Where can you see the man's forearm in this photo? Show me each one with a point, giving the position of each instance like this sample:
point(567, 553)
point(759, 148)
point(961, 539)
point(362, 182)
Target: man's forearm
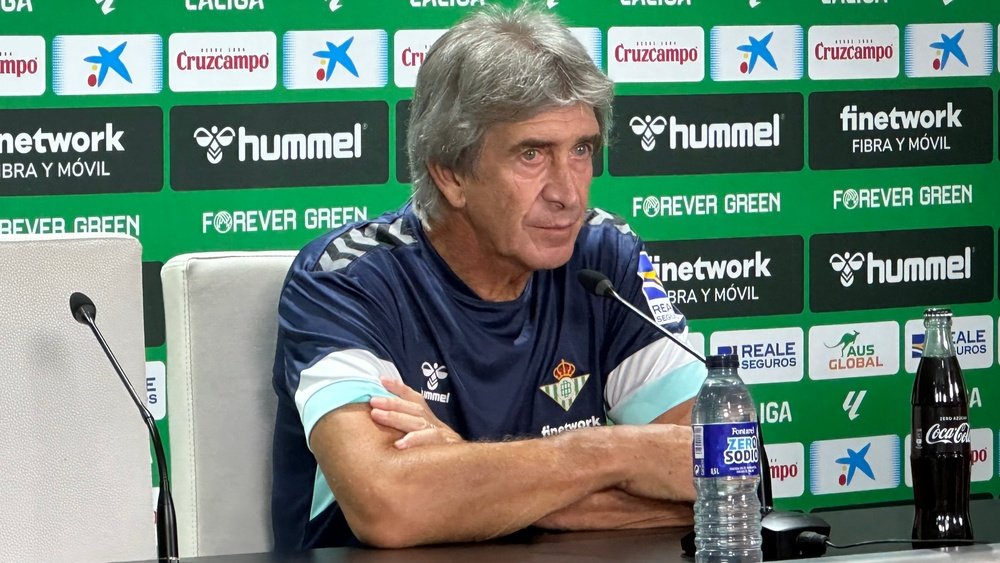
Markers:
point(616, 509)
point(474, 491)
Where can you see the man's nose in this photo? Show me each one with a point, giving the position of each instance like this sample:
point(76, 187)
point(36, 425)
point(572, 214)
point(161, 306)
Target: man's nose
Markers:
point(564, 182)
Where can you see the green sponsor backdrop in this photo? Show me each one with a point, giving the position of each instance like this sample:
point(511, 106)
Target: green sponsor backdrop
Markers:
point(801, 202)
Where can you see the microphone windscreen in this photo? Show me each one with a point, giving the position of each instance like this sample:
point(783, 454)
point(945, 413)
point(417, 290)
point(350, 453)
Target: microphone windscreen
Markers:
point(595, 282)
point(79, 304)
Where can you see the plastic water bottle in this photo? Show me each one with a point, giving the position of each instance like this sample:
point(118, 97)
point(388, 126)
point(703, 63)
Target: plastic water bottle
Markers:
point(726, 467)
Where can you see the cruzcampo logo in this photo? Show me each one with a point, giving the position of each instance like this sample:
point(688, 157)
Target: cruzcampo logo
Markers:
point(567, 386)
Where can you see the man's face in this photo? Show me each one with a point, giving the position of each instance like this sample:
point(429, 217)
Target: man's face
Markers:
point(527, 196)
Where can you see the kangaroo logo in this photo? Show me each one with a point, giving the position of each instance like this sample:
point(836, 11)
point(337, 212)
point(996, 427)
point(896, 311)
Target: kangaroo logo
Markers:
point(847, 340)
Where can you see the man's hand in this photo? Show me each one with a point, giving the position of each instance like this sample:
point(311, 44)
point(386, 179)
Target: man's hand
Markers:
point(661, 462)
point(617, 509)
point(408, 412)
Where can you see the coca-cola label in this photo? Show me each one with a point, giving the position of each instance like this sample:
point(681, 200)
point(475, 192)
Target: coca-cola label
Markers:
point(940, 429)
point(726, 450)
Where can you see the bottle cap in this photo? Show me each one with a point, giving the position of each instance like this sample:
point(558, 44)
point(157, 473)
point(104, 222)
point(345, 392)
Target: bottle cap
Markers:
point(937, 313)
point(722, 361)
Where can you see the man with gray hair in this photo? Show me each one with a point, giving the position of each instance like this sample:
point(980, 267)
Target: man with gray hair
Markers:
point(441, 375)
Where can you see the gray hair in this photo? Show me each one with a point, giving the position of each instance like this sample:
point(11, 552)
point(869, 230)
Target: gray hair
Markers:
point(497, 65)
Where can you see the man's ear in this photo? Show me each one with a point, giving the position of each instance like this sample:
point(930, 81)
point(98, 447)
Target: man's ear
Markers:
point(451, 184)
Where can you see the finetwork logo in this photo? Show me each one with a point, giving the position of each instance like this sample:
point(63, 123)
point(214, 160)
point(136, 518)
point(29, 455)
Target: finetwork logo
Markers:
point(766, 356)
point(854, 464)
point(656, 54)
point(336, 59)
point(223, 62)
point(736, 277)
point(972, 338)
point(838, 52)
point(86, 150)
point(22, 65)
point(937, 50)
point(858, 350)
point(757, 53)
point(896, 128)
point(107, 64)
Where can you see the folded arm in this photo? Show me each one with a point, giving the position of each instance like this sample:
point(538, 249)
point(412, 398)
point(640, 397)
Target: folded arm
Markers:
point(470, 491)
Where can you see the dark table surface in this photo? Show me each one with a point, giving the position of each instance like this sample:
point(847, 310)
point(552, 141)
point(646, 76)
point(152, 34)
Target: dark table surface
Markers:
point(626, 546)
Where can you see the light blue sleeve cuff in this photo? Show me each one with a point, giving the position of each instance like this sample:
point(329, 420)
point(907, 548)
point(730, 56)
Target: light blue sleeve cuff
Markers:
point(338, 394)
point(660, 395)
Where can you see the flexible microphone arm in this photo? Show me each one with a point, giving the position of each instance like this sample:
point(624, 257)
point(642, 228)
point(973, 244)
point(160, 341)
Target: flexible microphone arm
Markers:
point(84, 311)
point(599, 284)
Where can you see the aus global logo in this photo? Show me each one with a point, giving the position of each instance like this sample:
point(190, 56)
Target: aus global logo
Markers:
point(843, 351)
point(656, 297)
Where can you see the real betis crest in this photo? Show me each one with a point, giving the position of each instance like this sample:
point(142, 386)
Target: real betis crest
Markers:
point(567, 387)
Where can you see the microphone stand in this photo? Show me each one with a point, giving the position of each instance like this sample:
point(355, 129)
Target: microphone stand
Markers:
point(166, 520)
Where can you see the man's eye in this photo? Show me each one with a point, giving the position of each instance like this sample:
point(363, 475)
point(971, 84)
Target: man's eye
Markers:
point(583, 150)
point(530, 154)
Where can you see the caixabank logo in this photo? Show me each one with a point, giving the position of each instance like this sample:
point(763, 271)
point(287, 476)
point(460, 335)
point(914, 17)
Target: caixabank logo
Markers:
point(854, 464)
point(81, 151)
point(704, 134)
point(278, 145)
point(735, 277)
point(875, 270)
point(749, 53)
point(336, 59)
point(890, 128)
point(92, 65)
point(942, 50)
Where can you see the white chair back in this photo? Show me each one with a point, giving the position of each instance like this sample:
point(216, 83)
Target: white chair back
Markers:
point(221, 311)
point(75, 471)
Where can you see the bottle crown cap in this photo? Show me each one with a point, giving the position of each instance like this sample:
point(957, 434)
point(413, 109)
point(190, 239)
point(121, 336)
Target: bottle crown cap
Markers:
point(722, 361)
point(937, 313)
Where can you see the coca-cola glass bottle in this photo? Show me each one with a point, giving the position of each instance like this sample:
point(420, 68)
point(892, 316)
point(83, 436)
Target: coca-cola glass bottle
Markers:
point(940, 450)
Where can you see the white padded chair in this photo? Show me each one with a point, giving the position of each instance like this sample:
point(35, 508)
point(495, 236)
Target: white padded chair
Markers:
point(221, 324)
point(75, 472)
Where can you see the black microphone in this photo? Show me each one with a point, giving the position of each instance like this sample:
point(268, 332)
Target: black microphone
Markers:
point(84, 311)
point(599, 284)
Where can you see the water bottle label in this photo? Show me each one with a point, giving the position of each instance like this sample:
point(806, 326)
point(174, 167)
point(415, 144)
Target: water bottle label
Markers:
point(727, 449)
